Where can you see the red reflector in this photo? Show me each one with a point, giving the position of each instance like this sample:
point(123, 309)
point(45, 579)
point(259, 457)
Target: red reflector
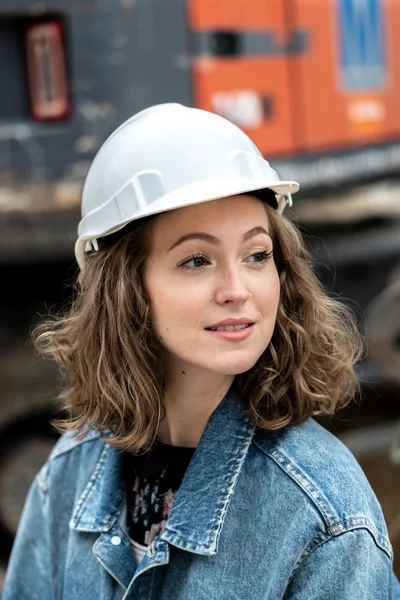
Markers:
point(47, 71)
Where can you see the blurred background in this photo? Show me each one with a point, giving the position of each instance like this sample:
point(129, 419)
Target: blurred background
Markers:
point(316, 85)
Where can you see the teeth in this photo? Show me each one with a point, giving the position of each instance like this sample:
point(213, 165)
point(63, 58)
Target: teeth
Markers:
point(230, 327)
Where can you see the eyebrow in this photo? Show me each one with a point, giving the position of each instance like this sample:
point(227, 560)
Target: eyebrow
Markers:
point(211, 239)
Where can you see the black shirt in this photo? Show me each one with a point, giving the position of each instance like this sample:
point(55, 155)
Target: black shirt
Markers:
point(151, 481)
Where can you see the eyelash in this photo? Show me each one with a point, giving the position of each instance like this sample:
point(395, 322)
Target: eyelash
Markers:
point(183, 263)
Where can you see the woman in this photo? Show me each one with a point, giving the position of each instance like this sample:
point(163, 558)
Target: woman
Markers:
point(198, 348)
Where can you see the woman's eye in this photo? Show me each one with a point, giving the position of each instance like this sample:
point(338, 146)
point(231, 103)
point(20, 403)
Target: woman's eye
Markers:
point(194, 262)
point(260, 257)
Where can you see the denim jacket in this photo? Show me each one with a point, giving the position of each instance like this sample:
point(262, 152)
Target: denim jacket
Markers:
point(259, 516)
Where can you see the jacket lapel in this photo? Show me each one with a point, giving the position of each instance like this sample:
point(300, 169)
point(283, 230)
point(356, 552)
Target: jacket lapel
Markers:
point(198, 513)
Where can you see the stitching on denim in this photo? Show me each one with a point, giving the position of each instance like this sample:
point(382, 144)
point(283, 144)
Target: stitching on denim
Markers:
point(93, 480)
point(190, 544)
point(112, 523)
point(222, 509)
point(247, 436)
point(315, 543)
point(304, 483)
point(324, 537)
point(352, 523)
point(111, 572)
point(349, 524)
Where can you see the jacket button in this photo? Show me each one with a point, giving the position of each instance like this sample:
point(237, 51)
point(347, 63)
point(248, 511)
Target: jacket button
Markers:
point(151, 550)
point(115, 540)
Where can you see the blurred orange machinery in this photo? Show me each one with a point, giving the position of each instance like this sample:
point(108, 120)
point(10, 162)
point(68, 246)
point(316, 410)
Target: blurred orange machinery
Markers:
point(300, 75)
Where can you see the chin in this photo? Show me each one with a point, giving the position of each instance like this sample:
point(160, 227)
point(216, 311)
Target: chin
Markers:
point(239, 367)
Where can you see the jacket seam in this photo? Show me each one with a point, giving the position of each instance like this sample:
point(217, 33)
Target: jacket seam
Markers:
point(334, 526)
point(322, 538)
point(304, 483)
point(353, 523)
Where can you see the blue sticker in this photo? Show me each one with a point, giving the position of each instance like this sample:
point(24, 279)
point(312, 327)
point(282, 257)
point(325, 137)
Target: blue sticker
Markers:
point(362, 44)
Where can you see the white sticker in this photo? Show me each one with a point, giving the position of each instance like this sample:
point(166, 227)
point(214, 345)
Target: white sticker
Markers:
point(242, 107)
point(366, 111)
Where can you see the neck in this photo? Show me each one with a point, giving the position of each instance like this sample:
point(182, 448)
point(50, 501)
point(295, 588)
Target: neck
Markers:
point(190, 398)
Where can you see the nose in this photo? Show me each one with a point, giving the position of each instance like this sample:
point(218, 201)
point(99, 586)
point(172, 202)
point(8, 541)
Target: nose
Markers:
point(231, 288)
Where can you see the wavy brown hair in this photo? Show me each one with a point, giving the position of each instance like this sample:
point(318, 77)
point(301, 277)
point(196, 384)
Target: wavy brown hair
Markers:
point(111, 360)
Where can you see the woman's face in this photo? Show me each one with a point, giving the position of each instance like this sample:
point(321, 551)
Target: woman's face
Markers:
point(210, 265)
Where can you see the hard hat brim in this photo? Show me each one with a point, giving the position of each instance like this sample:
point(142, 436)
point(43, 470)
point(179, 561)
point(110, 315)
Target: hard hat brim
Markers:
point(195, 193)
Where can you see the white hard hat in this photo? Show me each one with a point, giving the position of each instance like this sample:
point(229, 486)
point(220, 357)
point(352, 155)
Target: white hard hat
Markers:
point(166, 157)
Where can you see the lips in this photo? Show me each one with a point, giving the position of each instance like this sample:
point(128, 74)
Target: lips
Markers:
point(224, 334)
point(232, 324)
point(229, 327)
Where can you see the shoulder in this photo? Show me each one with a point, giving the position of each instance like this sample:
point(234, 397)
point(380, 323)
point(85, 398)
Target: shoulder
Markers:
point(71, 441)
point(72, 458)
point(324, 474)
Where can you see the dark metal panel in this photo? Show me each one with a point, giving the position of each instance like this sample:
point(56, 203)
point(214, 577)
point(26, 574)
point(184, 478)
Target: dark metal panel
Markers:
point(346, 166)
point(37, 8)
point(123, 56)
point(13, 98)
point(249, 43)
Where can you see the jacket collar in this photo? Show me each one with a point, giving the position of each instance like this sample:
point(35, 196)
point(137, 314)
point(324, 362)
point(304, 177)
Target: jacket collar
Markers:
point(198, 513)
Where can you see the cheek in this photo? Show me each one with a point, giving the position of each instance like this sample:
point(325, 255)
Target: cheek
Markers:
point(160, 305)
point(276, 289)
point(170, 307)
point(155, 293)
point(271, 290)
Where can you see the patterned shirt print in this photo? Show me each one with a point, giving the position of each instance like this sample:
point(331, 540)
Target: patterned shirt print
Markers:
point(152, 480)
